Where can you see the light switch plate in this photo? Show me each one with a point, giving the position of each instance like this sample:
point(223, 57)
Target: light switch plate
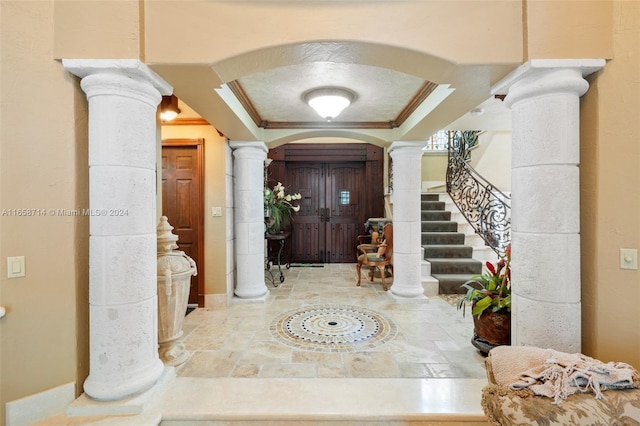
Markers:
point(216, 211)
point(628, 259)
point(15, 267)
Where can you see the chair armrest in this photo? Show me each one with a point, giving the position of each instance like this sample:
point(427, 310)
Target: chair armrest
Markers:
point(363, 239)
point(367, 248)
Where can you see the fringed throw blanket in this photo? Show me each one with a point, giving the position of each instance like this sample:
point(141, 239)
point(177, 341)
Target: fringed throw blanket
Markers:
point(557, 374)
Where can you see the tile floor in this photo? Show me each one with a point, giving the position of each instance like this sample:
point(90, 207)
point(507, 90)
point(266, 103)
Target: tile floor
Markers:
point(411, 362)
point(426, 338)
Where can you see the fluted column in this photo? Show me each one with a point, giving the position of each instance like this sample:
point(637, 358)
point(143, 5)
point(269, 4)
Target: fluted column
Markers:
point(123, 96)
point(544, 96)
point(407, 176)
point(248, 169)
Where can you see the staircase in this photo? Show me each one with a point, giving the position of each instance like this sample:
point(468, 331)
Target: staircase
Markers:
point(452, 262)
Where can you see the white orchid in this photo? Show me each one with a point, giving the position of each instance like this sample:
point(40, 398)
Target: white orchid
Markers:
point(278, 206)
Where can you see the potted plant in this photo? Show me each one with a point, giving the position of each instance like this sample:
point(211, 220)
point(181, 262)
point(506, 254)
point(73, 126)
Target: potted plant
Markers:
point(490, 298)
point(278, 208)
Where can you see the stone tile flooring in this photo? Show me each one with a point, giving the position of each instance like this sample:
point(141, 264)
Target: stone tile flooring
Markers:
point(427, 338)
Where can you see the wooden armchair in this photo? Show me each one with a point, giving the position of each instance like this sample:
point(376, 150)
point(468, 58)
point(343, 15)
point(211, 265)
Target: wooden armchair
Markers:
point(377, 255)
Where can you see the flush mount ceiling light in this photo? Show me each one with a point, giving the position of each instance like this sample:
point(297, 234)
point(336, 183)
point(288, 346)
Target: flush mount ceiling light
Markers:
point(169, 108)
point(329, 101)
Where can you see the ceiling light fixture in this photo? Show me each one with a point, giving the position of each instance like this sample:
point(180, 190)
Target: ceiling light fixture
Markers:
point(329, 101)
point(169, 108)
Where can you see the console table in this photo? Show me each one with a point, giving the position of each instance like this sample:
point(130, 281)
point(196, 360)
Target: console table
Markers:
point(270, 258)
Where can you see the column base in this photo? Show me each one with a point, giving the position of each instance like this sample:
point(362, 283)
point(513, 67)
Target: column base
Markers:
point(408, 295)
point(238, 299)
point(86, 406)
point(252, 294)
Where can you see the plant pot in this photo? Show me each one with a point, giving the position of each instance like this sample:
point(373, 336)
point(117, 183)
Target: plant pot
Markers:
point(491, 329)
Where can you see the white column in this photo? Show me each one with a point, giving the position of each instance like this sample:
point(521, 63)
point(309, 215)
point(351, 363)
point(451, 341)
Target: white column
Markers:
point(248, 170)
point(123, 96)
point(407, 231)
point(544, 96)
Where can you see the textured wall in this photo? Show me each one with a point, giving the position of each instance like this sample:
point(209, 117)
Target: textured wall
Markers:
point(43, 167)
point(610, 199)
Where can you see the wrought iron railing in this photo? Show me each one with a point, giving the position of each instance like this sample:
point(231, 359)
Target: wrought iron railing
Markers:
point(485, 207)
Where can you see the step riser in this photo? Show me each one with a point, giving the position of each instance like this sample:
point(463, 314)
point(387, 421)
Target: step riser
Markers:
point(433, 205)
point(435, 238)
point(439, 226)
point(455, 268)
point(448, 252)
point(451, 285)
point(436, 215)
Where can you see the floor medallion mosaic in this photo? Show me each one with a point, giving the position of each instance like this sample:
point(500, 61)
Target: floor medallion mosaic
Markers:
point(333, 328)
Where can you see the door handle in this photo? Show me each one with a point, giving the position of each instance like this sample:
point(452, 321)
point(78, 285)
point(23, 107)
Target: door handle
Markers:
point(325, 214)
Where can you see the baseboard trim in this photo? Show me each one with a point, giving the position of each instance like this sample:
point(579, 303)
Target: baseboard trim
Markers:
point(214, 300)
point(39, 406)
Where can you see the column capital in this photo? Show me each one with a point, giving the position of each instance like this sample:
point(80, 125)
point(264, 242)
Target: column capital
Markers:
point(132, 68)
point(539, 77)
point(397, 145)
point(257, 145)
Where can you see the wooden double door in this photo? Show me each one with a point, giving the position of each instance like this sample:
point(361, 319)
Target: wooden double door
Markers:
point(340, 190)
point(330, 216)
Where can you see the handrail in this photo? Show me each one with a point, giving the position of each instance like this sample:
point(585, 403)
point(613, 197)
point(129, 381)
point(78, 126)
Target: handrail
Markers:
point(486, 208)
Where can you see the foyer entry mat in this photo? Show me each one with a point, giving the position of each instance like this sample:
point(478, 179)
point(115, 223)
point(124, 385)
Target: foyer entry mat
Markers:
point(333, 328)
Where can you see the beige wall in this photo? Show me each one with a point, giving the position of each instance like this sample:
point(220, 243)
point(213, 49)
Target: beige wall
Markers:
point(215, 256)
point(434, 167)
point(610, 200)
point(102, 29)
point(568, 29)
point(492, 158)
point(43, 165)
point(428, 26)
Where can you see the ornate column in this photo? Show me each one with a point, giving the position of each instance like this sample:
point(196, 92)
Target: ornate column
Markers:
point(407, 232)
point(123, 96)
point(248, 169)
point(544, 96)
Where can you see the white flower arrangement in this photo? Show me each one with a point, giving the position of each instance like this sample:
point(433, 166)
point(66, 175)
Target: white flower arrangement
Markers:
point(278, 206)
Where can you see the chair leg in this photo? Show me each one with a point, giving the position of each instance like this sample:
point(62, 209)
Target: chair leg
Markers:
point(358, 268)
point(382, 271)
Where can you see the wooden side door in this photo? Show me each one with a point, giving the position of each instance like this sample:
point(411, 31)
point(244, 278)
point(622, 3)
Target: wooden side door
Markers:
point(182, 203)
